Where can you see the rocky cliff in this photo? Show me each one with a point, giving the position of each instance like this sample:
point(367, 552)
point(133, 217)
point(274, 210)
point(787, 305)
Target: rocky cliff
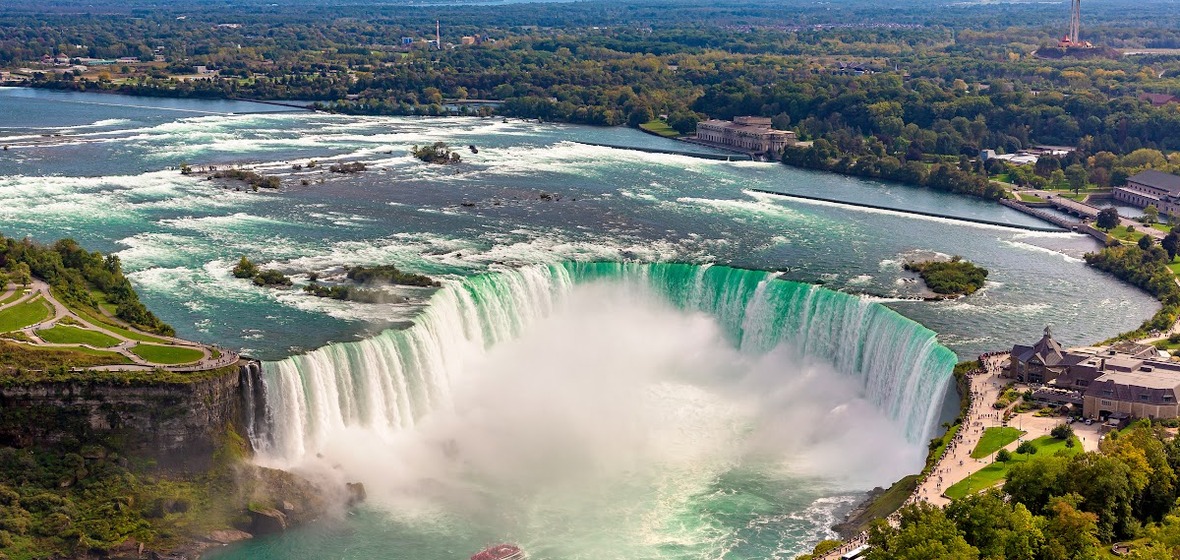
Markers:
point(178, 422)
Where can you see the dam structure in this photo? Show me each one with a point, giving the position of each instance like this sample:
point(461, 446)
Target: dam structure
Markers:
point(391, 381)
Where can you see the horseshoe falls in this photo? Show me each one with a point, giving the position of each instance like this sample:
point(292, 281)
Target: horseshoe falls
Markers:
point(684, 396)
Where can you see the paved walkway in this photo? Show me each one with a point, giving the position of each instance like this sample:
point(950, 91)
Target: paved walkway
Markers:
point(38, 288)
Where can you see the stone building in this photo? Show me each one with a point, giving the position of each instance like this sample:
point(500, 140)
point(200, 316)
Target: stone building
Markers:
point(1123, 379)
point(1152, 187)
point(751, 134)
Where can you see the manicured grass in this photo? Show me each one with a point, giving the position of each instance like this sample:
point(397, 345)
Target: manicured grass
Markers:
point(659, 127)
point(61, 334)
point(16, 294)
point(992, 474)
point(110, 325)
point(936, 453)
point(1122, 234)
point(1162, 227)
point(22, 315)
point(995, 439)
point(168, 355)
point(1175, 268)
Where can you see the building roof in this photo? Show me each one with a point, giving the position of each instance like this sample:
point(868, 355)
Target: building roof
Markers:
point(1046, 351)
point(1158, 179)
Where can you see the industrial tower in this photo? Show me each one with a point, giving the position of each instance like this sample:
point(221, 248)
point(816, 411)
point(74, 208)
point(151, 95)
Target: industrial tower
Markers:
point(1073, 39)
point(1075, 21)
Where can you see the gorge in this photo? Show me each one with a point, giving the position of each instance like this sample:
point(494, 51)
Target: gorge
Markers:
point(584, 380)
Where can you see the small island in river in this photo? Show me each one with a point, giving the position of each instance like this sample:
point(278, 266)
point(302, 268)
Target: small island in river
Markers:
point(955, 277)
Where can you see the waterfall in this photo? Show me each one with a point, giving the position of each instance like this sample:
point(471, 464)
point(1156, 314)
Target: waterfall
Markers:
point(391, 381)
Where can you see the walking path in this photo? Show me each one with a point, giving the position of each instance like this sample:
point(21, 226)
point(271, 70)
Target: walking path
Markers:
point(38, 288)
point(956, 462)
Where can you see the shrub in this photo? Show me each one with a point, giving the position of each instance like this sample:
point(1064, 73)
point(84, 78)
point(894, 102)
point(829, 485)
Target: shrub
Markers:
point(245, 269)
point(1026, 448)
point(1003, 456)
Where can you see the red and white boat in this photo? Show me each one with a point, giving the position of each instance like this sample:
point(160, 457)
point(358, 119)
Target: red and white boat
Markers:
point(500, 552)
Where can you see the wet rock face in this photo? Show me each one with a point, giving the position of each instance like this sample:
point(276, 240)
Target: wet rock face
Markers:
point(267, 521)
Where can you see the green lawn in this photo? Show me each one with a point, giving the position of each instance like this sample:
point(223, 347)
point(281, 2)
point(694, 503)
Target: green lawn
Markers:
point(659, 127)
point(17, 294)
point(1122, 234)
point(62, 334)
point(110, 325)
point(992, 474)
point(168, 355)
point(1162, 227)
point(22, 315)
point(995, 439)
point(1175, 268)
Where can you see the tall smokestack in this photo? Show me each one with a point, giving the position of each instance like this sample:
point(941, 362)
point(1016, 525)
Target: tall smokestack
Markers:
point(438, 34)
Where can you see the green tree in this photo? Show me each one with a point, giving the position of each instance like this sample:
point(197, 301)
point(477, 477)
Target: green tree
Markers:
point(924, 533)
point(1144, 242)
point(1108, 218)
point(1026, 448)
point(1171, 243)
point(1151, 214)
point(1076, 175)
point(1061, 431)
point(1070, 534)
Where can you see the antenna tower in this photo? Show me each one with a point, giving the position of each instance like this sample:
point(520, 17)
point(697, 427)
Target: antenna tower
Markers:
point(1075, 22)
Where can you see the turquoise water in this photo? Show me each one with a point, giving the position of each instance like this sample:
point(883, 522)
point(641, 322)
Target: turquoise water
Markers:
point(762, 483)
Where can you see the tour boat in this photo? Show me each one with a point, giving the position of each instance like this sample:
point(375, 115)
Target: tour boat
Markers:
point(500, 552)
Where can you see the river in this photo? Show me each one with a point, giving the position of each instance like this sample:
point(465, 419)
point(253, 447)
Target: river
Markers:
point(103, 170)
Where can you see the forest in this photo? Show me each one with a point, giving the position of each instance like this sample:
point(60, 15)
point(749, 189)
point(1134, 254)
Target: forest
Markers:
point(909, 92)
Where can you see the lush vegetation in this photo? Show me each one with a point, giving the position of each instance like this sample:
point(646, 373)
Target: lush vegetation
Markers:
point(956, 276)
point(437, 152)
point(74, 274)
point(1147, 269)
point(908, 92)
point(1056, 505)
point(389, 274)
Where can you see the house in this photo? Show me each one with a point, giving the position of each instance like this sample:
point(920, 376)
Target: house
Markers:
point(1158, 99)
point(1152, 187)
